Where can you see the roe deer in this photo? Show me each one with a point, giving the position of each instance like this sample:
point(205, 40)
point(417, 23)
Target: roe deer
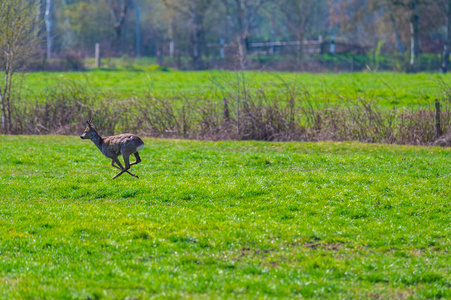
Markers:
point(113, 146)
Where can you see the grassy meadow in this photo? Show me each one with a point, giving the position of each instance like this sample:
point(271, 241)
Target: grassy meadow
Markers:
point(387, 89)
point(224, 220)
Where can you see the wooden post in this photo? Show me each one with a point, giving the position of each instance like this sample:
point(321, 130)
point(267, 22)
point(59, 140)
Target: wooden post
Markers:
point(438, 129)
point(98, 63)
point(171, 48)
point(171, 42)
point(221, 48)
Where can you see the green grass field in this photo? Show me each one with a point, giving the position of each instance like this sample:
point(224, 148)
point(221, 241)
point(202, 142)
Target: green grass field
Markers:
point(224, 220)
point(387, 88)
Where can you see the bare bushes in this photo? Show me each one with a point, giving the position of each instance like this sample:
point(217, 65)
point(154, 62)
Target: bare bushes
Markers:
point(64, 110)
point(234, 112)
point(366, 121)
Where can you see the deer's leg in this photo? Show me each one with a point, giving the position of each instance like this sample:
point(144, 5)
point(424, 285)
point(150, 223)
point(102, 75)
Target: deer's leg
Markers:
point(127, 166)
point(138, 159)
point(119, 165)
point(115, 160)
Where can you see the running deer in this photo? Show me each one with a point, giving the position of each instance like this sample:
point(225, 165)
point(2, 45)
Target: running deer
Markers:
point(113, 146)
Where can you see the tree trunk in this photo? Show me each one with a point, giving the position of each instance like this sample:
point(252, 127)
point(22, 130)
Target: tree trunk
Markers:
point(447, 46)
point(242, 47)
point(68, 37)
point(117, 41)
point(38, 16)
point(138, 30)
point(48, 26)
point(159, 52)
point(272, 35)
point(2, 99)
point(118, 21)
point(240, 16)
point(171, 40)
point(415, 46)
point(197, 40)
point(18, 45)
point(8, 104)
point(397, 35)
point(300, 54)
point(6, 108)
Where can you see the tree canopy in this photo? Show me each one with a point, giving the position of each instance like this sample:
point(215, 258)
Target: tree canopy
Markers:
point(198, 28)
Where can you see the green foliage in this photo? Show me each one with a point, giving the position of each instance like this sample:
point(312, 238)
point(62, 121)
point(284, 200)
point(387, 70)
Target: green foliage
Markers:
point(145, 77)
point(18, 47)
point(82, 24)
point(224, 220)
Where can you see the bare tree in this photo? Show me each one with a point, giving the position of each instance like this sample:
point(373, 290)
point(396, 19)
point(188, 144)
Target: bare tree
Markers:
point(197, 11)
point(415, 44)
point(38, 17)
point(399, 42)
point(118, 10)
point(407, 12)
point(300, 17)
point(412, 7)
point(138, 29)
point(246, 12)
point(447, 46)
point(194, 11)
point(17, 46)
point(48, 27)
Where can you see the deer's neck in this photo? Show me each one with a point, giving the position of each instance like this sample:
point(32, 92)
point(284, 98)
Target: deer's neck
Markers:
point(98, 141)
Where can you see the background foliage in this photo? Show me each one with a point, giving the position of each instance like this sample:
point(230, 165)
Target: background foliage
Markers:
point(189, 33)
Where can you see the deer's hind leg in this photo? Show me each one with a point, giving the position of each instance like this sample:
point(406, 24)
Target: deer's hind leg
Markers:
point(138, 159)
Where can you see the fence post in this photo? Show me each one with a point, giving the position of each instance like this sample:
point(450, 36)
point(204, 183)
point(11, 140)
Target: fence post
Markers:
point(221, 48)
point(97, 55)
point(438, 129)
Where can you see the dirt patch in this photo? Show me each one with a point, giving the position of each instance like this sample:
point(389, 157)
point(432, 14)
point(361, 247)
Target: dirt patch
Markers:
point(323, 246)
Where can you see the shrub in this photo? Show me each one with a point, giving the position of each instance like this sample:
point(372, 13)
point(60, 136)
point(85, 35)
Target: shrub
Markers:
point(242, 114)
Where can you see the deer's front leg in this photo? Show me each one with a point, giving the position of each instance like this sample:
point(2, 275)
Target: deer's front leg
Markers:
point(127, 166)
point(119, 166)
point(118, 163)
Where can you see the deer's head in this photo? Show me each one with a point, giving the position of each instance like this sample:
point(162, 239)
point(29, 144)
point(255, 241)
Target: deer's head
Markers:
point(89, 132)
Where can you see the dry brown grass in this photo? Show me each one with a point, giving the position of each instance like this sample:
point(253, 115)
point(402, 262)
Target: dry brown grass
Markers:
point(292, 115)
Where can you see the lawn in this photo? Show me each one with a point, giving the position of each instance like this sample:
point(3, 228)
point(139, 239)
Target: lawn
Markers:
point(224, 220)
point(386, 88)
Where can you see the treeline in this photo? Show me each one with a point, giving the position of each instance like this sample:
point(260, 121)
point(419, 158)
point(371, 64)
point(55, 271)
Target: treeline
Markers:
point(198, 34)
